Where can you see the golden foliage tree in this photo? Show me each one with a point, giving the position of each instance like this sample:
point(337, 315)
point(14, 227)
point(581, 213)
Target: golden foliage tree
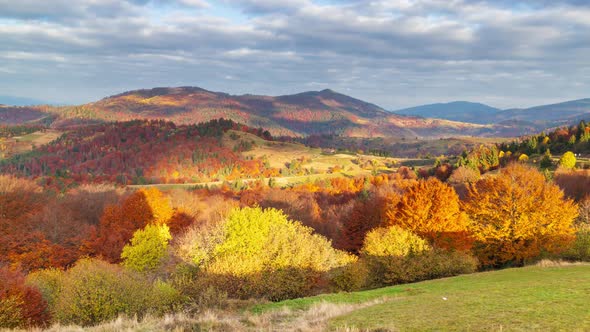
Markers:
point(393, 241)
point(118, 223)
point(517, 215)
point(431, 209)
point(568, 160)
point(147, 248)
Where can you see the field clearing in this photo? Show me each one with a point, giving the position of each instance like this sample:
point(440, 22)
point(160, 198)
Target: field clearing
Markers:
point(530, 298)
point(25, 143)
point(281, 181)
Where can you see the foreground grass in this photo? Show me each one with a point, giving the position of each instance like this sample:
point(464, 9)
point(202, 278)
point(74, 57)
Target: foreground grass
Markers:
point(532, 298)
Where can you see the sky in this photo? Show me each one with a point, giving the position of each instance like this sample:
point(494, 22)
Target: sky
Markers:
point(395, 54)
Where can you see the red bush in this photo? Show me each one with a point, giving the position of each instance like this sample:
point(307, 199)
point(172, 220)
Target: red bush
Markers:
point(30, 306)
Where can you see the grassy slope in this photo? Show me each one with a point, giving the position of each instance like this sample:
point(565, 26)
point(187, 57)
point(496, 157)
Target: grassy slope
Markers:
point(532, 298)
point(22, 144)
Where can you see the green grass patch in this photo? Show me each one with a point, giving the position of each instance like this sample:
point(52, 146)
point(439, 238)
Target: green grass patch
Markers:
point(532, 298)
point(354, 297)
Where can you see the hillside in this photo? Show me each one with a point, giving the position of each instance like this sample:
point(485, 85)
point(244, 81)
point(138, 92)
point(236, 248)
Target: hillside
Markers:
point(138, 152)
point(551, 115)
point(315, 112)
point(304, 114)
point(528, 119)
point(462, 111)
point(539, 298)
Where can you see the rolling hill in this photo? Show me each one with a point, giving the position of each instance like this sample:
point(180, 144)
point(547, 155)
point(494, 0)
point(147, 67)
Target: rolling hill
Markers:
point(304, 114)
point(462, 111)
point(528, 119)
point(142, 151)
point(307, 113)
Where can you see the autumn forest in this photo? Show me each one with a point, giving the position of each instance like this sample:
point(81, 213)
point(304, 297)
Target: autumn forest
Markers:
point(146, 217)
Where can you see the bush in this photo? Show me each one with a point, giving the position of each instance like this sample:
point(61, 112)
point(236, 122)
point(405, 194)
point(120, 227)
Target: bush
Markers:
point(94, 291)
point(351, 277)
point(11, 312)
point(147, 248)
point(568, 160)
point(260, 253)
point(164, 298)
point(49, 282)
point(21, 305)
point(283, 283)
point(392, 241)
point(432, 264)
point(464, 174)
point(580, 249)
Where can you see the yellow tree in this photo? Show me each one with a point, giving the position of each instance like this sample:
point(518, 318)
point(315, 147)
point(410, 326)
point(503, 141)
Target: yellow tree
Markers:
point(517, 215)
point(119, 222)
point(568, 160)
point(431, 209)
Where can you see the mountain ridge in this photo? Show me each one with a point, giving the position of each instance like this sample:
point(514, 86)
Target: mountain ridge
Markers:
point(300, 114)
point(541, 116)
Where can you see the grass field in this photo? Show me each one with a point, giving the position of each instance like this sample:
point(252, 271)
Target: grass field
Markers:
point(25, 143)
point(531, 298)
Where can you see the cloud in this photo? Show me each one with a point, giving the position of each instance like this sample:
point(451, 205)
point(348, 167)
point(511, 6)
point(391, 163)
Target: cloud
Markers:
point(393, 53)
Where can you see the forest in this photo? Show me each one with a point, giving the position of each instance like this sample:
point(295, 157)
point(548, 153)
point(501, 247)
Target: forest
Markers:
point(80, 246)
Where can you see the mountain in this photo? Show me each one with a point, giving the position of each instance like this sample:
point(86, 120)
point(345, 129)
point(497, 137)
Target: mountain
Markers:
point(529, 119)
point(462, 111)
point(307, 113)
point(552, 115)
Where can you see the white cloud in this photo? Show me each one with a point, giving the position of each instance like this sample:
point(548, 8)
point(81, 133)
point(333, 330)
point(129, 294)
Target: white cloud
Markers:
point(393, 53)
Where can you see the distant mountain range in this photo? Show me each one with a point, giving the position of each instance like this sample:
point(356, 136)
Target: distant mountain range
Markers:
point(307, 113)
point(462, 111)
point(539, 117)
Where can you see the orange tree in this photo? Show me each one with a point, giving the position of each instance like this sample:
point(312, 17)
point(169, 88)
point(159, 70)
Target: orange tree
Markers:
point(431, 209)
point(518, 215)
point(119, 222)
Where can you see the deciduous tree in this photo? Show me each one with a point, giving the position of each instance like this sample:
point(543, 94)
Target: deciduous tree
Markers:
point(517, 215)
point(431, 209)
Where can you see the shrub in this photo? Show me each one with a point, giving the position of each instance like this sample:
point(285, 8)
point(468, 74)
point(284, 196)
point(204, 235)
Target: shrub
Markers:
point(147, 248)
point(568, 160)
point(260, 253)
point(94, 291)
point(164, 298)
point(283, 283)
point(349, 278)
point(580, 249)
point(464, 174)
point(575, 183)
point(49, 282)
point(11, 312)
point(392, 241)
point(584, 212)
point(21, 305)
point(391, 270)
